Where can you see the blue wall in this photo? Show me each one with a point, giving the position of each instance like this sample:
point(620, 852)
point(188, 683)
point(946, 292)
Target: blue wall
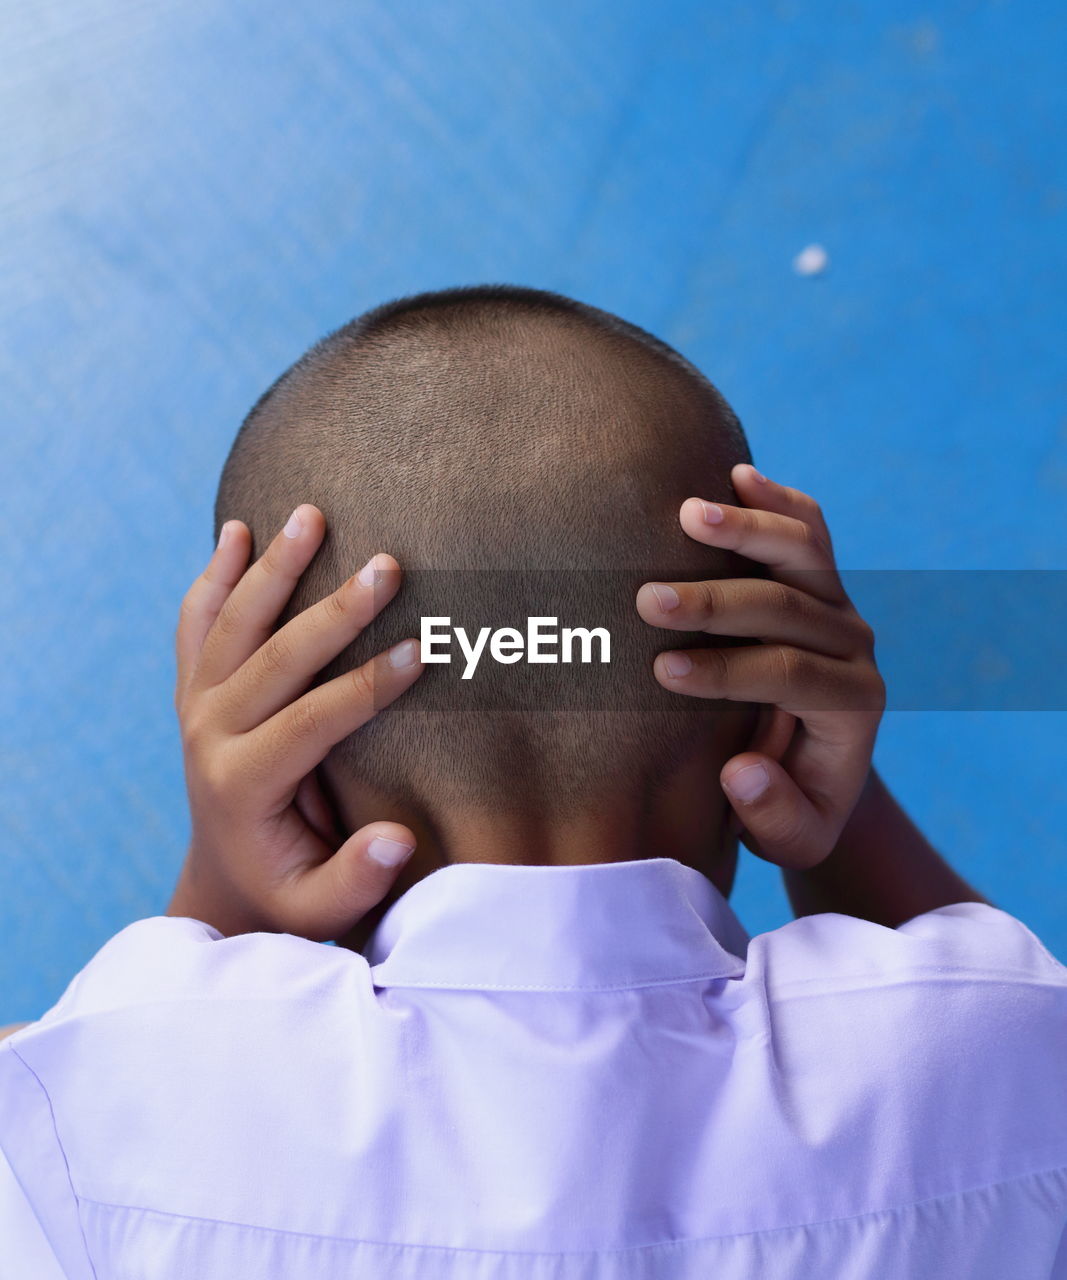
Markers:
point(195, 191)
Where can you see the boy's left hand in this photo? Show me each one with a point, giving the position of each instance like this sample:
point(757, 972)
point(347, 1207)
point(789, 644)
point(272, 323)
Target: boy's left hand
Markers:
point(265, 854)
point(794, 789)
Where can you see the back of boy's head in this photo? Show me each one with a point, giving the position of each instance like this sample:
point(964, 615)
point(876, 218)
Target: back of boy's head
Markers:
point(518, 453)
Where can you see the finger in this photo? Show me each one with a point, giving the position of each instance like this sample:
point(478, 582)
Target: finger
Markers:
point(756, 490)
point(799, 682)
point(207, 595)
point(756, 607)
point(780, 823)
point(772, 737)
point(282, 750)
point(251, 611)
point(793, 549)
point(284, 666)
point(324, 901)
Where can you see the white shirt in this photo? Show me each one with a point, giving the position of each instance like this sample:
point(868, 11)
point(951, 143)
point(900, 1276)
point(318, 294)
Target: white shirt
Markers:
point(553, 1073)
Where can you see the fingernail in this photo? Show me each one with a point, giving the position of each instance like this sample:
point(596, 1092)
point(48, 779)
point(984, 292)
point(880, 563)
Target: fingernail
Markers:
point(224, 534)
point(293, 525)
point(748, 783)
point(757, 475)
point(712, 513)
point(404, 654)
point(369, 575)
point(677, 663)
point(666, 597)
point(389, 853)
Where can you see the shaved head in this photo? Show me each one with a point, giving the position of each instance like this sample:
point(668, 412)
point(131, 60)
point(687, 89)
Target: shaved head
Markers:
point(518, 453)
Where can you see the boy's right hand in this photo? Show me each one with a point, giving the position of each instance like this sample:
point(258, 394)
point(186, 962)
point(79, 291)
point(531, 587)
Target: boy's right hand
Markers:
point(265, 854)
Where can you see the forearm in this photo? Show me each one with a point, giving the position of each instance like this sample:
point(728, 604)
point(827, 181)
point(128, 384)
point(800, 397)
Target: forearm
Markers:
point(882, 868)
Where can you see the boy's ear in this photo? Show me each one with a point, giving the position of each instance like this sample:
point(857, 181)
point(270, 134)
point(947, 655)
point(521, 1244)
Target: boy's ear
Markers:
point(774, 732)
point(316, 803)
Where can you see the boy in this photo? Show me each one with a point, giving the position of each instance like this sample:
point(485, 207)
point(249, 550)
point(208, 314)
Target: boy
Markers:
point(545, 1045)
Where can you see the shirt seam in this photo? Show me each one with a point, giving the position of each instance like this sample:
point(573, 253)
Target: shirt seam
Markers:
point(63, 1154)
point(427, 985)
point(931, 974)
point(1019, 977)
point(961, 976)
point(570, 1253)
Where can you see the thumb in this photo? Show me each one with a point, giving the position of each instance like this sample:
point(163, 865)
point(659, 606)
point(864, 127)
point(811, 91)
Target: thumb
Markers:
point(328, 899)
point(779, 823)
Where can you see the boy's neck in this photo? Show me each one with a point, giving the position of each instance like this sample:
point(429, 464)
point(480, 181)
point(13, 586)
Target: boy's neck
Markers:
point(685, 819)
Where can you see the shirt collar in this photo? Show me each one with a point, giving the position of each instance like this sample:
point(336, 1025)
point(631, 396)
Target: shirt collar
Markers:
point(495, 926)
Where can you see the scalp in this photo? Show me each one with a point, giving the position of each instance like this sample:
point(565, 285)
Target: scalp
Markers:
point(480, 436)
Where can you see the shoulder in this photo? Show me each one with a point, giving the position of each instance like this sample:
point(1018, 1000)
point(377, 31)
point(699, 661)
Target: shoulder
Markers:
point(964, 942)
point(948, 1031)
point(965, 984)
point(172, 960)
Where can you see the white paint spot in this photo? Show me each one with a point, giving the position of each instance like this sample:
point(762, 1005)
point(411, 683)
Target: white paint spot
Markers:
point(811, 261)
point(925, 38)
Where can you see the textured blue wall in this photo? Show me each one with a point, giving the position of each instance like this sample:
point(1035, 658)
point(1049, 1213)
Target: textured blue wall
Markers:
point(194, 192)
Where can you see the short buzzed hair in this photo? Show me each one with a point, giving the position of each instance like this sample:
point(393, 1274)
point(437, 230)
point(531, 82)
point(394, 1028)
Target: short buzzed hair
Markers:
point(479, 434)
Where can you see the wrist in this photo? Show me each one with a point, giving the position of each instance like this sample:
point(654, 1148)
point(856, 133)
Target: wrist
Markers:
point(882, 868)
point(201, 896)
